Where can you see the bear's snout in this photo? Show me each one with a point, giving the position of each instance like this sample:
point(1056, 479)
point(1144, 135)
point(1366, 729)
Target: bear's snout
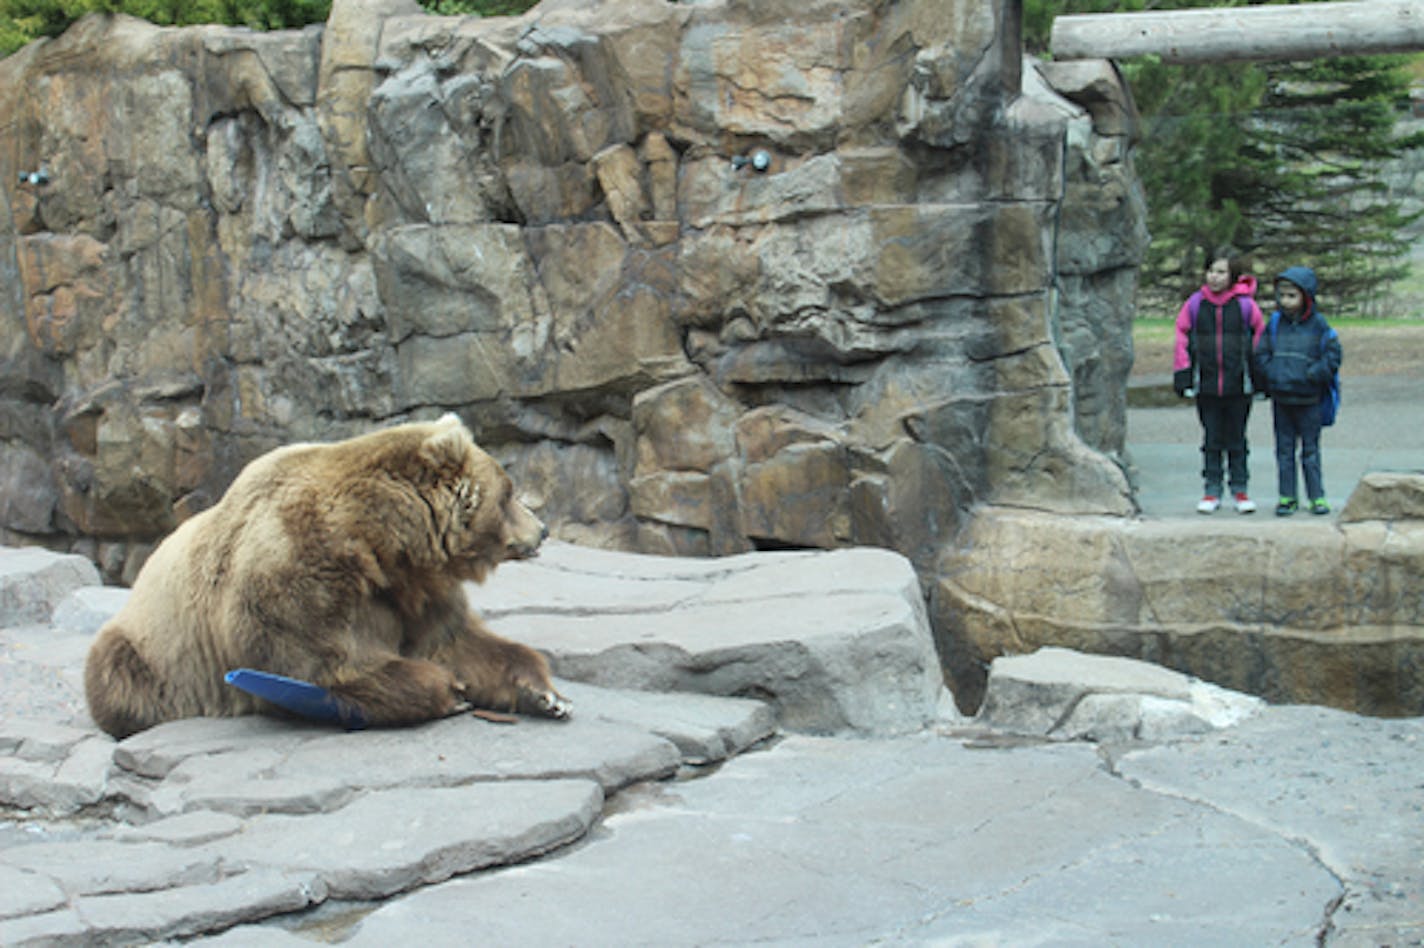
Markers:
point(526, 533)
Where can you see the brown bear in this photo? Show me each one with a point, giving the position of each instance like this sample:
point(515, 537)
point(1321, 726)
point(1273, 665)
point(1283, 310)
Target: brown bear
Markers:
point(339, 564)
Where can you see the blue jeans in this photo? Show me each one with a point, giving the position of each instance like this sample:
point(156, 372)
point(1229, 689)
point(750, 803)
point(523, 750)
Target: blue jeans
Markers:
point(1298, 424)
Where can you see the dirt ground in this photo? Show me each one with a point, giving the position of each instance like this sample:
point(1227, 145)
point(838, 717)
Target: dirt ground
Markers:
point(1368, 350)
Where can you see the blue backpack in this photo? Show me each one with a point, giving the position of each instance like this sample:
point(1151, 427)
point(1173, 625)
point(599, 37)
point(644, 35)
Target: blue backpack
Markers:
point(1330, 404)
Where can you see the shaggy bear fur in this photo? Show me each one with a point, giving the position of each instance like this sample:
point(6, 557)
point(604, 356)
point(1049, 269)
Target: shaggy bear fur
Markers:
point(340, 564)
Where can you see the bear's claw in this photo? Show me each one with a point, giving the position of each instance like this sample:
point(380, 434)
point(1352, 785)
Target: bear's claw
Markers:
point(550, 704)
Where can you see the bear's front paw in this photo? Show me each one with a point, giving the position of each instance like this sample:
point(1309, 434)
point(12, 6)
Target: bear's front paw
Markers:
point(545, 703)
point(462, 702)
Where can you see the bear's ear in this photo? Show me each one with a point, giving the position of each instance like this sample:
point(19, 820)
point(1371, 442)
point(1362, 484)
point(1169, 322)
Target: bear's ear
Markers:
point(449, 443)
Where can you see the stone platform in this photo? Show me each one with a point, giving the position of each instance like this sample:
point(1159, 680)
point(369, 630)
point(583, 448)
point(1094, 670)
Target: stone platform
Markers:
point(806, 783)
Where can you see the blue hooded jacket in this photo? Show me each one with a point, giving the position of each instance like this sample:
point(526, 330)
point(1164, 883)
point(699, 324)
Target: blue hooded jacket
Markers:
point(1292, 364)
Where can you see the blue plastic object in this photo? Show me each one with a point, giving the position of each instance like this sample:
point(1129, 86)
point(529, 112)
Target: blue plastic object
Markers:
point(297, 696)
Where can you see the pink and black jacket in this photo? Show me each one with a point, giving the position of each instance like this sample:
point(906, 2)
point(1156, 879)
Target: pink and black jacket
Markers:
point(1216, 334)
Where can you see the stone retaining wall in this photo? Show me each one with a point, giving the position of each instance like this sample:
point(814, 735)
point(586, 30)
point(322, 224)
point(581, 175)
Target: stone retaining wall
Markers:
point(1310, 612)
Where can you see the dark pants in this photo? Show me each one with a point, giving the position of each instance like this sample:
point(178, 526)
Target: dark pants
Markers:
point(1223, 421)
point(1298, 424)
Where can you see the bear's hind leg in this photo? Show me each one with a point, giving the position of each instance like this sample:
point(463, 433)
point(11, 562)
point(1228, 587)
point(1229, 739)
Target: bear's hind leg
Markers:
point(123, 693)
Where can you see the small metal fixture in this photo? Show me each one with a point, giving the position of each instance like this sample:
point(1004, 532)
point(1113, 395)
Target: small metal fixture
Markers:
point(759, 160)
point(38, 177)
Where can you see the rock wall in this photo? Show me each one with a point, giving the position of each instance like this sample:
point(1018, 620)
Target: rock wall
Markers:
point(554, 226)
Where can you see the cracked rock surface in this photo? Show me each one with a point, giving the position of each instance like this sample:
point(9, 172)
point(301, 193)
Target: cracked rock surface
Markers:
point(1093, 800)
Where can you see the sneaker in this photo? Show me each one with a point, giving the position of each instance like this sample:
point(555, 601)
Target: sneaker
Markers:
point(1287, 506)
point(1244, 504)
point(1319, 506)
point(1209, 504)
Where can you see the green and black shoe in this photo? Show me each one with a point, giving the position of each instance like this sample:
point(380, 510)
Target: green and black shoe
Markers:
point(1287, 506)
point(1319, 507)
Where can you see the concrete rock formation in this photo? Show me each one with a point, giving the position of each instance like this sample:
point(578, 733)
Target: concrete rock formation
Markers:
point(551, 224)
point(1307, 611)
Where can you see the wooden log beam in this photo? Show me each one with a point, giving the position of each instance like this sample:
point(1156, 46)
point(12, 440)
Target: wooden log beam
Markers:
point(1263, 33)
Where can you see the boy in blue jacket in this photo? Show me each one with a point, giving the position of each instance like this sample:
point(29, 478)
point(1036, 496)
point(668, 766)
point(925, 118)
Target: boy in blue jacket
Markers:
point(1295, 360)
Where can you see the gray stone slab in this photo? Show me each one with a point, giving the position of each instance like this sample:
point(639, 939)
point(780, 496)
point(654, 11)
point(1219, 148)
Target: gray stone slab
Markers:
point(39, 740)
point(253, 765)
point(577, 580)
point(156, 751)
point(1060, 693)
point(147, 917)
point(1349, 786)
point(82, 778)
point(33, 581)
point(23, 892)
point(59, 927)
point(571, 580)
point(49, 647)
point(839, 842)
point(382, 843)
point(236, 784)
point(835, 640)
point(84, 610)
point(815, 575)
point(61, 786)
point(185, 829)
point(464, 749)
point(202, 872)
point(704, 729)
point(855, 664)
point(43, 674)
point(97, 866)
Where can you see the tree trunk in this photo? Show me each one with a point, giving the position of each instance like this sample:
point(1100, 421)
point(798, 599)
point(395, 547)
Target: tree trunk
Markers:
point(1266, 33)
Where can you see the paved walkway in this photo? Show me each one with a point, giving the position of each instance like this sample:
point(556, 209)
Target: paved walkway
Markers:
point(1381, 428)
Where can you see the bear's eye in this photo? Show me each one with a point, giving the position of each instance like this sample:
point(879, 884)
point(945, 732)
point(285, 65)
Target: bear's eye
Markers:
point(467, 495)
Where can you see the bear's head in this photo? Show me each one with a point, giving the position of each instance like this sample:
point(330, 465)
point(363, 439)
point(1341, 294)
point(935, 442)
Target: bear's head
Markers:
point(482, 522)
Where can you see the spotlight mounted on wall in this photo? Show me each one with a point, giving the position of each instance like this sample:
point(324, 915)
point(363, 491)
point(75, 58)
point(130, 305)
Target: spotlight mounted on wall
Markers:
point(759, 160)
point(37, 177)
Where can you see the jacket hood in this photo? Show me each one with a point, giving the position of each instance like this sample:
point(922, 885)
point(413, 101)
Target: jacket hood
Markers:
point(1303, 277)
point(1246, 286)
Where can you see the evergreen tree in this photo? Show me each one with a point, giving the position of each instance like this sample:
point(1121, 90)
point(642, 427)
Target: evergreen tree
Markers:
point(1278, 159)
point(1200, 165)
point(1330, 126)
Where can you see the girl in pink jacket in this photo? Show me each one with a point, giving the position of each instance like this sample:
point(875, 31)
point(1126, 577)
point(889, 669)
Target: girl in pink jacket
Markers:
point(1217, 329)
